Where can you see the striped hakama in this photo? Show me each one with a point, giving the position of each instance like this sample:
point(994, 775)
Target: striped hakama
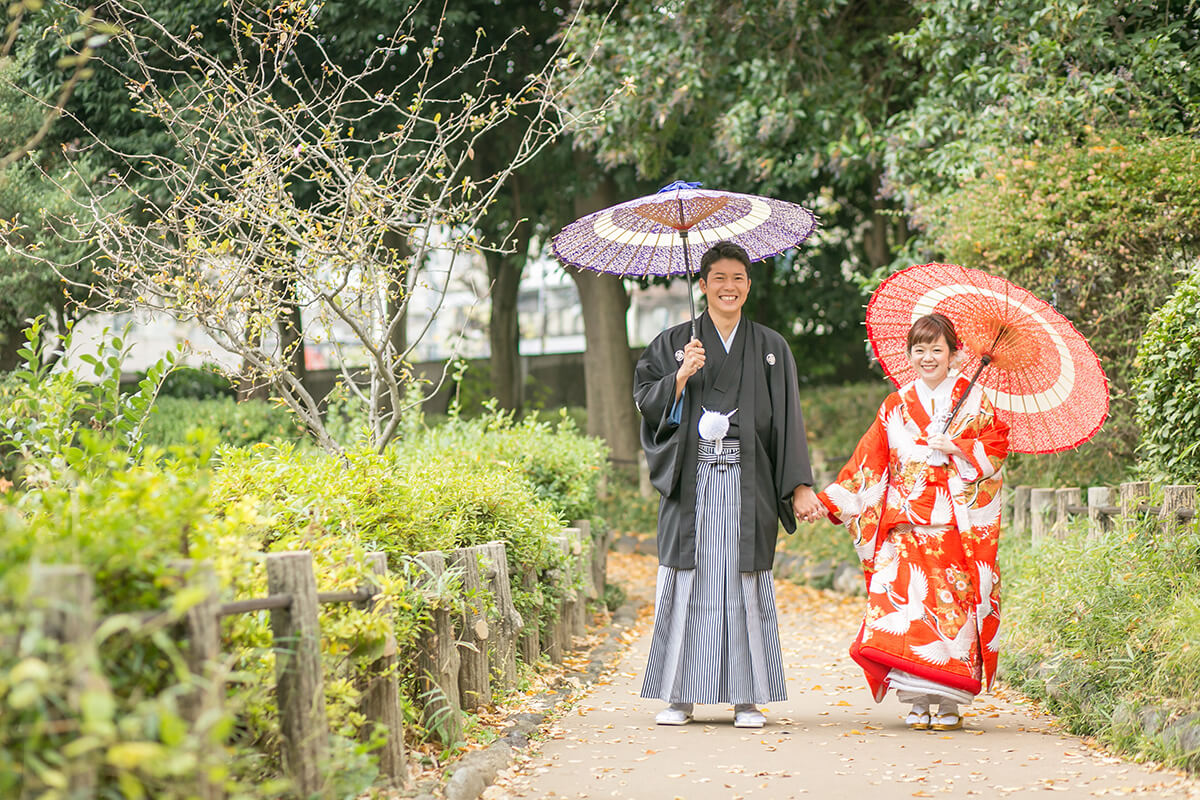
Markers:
point(716, 636)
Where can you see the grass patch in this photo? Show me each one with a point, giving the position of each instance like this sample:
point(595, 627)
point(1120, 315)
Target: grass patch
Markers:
point(1105, 632)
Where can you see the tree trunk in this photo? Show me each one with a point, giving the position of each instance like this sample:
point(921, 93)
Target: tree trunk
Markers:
point(504, 334)
point(291, 332)
point(400, 254)
point(883, 231)
point(12, 338)
point(608, 370)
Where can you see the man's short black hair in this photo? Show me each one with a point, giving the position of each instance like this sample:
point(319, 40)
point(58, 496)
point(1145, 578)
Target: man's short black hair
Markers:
point(722, 250)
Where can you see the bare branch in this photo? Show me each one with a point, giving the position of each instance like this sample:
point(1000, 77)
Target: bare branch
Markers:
point(289, 179)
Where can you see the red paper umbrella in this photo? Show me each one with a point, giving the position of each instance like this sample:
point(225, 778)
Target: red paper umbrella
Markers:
point(1039, 372)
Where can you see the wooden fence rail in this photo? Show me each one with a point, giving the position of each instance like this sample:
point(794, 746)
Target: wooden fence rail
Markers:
point(457, 661)
point(1044, 512)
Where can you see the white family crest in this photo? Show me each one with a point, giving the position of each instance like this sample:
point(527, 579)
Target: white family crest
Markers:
point(770, 359)
point(679, 355)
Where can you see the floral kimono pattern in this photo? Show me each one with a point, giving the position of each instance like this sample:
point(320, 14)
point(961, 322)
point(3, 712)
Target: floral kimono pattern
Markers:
point(926, 528)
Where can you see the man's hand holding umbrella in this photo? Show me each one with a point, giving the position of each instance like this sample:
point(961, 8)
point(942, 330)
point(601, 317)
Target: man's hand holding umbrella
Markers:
point(693, 360)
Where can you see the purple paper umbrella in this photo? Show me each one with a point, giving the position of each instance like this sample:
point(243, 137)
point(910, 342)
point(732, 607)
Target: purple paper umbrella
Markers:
point(666, 232)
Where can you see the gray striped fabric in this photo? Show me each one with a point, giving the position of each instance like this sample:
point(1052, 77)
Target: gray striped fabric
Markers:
point(716, 636)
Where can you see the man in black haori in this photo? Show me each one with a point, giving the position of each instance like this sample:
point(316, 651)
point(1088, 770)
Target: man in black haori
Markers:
point(724, 439)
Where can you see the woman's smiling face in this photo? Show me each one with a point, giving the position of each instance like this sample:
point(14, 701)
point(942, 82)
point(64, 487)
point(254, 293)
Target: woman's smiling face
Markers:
point(931, 360)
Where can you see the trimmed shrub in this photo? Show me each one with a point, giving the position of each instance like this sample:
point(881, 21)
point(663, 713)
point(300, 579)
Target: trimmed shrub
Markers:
point(1167, 386)
point(402, 502)
point(563, 466)
point(226, 420)
point(92, 495)
point(197, 383)
point(123, 526)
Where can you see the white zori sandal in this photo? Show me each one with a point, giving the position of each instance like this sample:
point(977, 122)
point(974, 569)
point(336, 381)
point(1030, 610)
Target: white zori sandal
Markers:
point(747, 715)
point(947, 718)
point(675, 714)
point(918, 718)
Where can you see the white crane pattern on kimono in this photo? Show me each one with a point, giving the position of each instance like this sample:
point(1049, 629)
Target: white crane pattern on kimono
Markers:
point(908, 611)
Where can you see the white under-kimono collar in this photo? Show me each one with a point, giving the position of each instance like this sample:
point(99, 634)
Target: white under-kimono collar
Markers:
point(728, 342)
point(936, 401)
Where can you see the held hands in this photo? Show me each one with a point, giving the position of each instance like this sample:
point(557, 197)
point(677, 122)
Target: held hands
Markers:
point(806, 505)
point(693, 360)
point(944, 444)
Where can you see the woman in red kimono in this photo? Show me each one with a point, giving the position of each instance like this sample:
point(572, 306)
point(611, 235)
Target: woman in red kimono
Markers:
point(924, 509)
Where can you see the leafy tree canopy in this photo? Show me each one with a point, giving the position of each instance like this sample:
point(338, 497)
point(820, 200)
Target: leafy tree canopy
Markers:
point(785, 99)
point(1097, 226)
point(778, 97)
point(994, 76)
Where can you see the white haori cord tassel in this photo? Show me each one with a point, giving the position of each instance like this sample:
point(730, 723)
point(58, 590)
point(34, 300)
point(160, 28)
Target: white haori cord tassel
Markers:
point(713, 426)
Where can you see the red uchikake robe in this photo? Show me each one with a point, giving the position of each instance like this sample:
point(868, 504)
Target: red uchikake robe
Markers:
point(933, 600)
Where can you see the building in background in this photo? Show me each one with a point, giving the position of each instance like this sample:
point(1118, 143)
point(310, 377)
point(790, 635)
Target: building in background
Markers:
point(451, 320)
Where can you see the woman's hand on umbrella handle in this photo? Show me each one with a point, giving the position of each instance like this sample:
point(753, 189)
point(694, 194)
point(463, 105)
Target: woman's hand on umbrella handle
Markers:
point(944, 444)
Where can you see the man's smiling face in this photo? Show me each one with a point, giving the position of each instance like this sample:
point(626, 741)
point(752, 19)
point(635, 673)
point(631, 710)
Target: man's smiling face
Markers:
point(726, 287)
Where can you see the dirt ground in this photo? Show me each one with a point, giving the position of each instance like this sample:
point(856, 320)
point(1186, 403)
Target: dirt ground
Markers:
point(829, 739)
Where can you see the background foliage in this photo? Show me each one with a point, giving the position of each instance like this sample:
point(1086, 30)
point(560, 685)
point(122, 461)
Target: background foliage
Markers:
point(175, 420)
point(1167, 386)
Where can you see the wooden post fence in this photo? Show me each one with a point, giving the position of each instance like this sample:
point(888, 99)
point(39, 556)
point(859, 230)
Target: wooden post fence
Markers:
point(438, 663)
point(1178, 506)
point(64, 611)
point(579, 556)
point(556, 638)
point(530, 638)
point(299, 676)
point(1065, 500)
point(1176, 499)
point(1098, 497)
point(1020, 517)
point(203, 652)
point(1133, 495)
point(380, 685)
point(1041, 508)
point(447, 680)
point(599, 548)
point(474, 680)
point(508, 620)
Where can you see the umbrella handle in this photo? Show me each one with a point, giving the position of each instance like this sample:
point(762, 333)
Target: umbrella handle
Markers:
point(687, 269)
point(983, 362)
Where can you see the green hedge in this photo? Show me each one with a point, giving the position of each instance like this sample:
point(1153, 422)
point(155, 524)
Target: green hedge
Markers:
point(127, 517)
point(1167, 386)
point(124, 526)
point(563, 466)
point(175, 419)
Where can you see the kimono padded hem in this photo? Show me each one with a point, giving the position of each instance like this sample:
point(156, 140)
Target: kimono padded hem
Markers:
point(873, 657)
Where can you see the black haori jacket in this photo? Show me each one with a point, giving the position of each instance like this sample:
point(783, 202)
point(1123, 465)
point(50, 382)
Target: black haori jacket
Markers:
point(758, 377)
